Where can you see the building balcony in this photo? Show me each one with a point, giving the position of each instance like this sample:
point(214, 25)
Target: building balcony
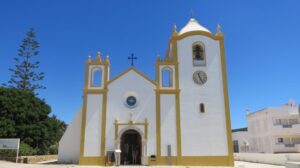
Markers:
point(282, 148)
point(286, 129)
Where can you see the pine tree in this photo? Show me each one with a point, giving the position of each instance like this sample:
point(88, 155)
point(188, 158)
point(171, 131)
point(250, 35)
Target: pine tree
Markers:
point(24, 75)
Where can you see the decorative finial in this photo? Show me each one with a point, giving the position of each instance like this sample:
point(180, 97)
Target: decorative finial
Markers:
point(98, 58)
point(174, 28)
point(158, 57)
point(192, 16)
point(219, 33)
point(107, 58)
point(89, 58)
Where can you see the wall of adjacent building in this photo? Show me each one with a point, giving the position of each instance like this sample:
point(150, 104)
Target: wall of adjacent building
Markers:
point(265, 127)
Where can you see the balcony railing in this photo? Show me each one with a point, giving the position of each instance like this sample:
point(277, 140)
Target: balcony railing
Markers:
point(289, 145)
point(287, 126)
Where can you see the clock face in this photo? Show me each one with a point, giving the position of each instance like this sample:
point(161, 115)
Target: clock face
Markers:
point(199, 77)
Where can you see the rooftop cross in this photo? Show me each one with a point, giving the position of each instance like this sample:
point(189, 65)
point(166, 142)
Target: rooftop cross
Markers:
point(132, 57)
point(192, 14)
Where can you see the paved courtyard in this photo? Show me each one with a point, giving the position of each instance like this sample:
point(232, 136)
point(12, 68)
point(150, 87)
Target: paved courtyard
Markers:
point(238, 164)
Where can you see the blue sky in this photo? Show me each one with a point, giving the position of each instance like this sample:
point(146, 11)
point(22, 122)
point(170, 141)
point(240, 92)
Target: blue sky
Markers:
point(261, 42)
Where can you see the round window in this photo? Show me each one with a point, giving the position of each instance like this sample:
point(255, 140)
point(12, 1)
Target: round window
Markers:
point(131, 101)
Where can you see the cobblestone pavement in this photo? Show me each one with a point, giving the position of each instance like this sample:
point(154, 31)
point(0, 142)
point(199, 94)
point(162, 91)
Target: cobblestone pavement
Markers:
point(238, 164)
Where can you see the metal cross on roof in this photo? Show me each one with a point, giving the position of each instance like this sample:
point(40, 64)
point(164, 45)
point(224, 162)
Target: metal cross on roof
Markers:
point(132, 57)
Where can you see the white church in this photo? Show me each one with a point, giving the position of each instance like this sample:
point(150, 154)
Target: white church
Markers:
point(180, 118)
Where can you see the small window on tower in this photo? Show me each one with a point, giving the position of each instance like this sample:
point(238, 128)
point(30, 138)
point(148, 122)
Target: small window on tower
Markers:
point(167, 77)
point(198, 55)
point(202, 108)
point(97, 78)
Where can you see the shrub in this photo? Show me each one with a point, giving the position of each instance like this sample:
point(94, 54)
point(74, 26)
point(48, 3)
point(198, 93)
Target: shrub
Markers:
point(26, 150)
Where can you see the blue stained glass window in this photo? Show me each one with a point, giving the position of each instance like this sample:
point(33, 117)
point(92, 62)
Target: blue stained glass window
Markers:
point(131, 101)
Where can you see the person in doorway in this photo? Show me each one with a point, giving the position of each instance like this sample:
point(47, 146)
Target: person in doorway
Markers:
point(126, 153)
point(134, 154)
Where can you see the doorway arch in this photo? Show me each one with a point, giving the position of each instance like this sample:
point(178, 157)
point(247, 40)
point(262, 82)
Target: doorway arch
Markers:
point(131, 146)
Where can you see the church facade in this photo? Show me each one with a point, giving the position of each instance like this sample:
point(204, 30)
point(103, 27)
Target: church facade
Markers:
point(180, 118)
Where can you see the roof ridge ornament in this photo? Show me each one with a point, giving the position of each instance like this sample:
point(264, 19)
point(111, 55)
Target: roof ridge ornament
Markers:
point(107, 58)
point(89, 58)
point(174, 30)
point(192, 16)
point(219, 33)
point(98, 58)
point(158, 58)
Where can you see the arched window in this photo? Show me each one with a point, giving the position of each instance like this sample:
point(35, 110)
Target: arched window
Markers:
point(167, 77)
point(202, 108)
point(97, 78)
point(198, 55)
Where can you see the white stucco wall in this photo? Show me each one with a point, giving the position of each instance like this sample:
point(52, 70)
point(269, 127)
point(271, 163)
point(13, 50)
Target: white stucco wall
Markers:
point(263, 133)
point(168, 124)
point(69, 144)
point(93, 125)
point(131, 84)
point(202, 134)
point(243, 140)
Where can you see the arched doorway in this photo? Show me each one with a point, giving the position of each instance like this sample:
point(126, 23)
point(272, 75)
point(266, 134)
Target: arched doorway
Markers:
point(131, 147)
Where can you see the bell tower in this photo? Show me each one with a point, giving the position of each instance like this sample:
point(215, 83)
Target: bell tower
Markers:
point(92, 142)
point(167, 102)
point(204, 105)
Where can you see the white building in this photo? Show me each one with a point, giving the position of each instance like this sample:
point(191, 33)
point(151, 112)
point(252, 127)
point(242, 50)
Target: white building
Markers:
point(181, 118)
point(271, 130)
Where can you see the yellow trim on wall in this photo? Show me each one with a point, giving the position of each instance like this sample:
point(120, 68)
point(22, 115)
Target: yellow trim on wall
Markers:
point(177, 98)
point(192, 161)
point(92, 161)
point(135, 70)
point(83, 118)
point(130, 123)
point(95, 91)
point(193, 33)
point(226, 103)
point(104, 108)
point(158, 130)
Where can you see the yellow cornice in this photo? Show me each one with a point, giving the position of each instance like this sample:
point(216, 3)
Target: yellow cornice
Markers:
point(197, 32)
point(135, 70)
point(167, 91)
point(130, 123)
point(226, 103)
point(98, 60)
point(95, 91)
point(166, 63)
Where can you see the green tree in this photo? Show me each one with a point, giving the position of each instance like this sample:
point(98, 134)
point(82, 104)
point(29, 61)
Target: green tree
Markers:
point(24, 75)
point(25, 116)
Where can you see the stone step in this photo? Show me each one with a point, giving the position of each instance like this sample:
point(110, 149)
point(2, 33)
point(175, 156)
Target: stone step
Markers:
point(292, 164)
